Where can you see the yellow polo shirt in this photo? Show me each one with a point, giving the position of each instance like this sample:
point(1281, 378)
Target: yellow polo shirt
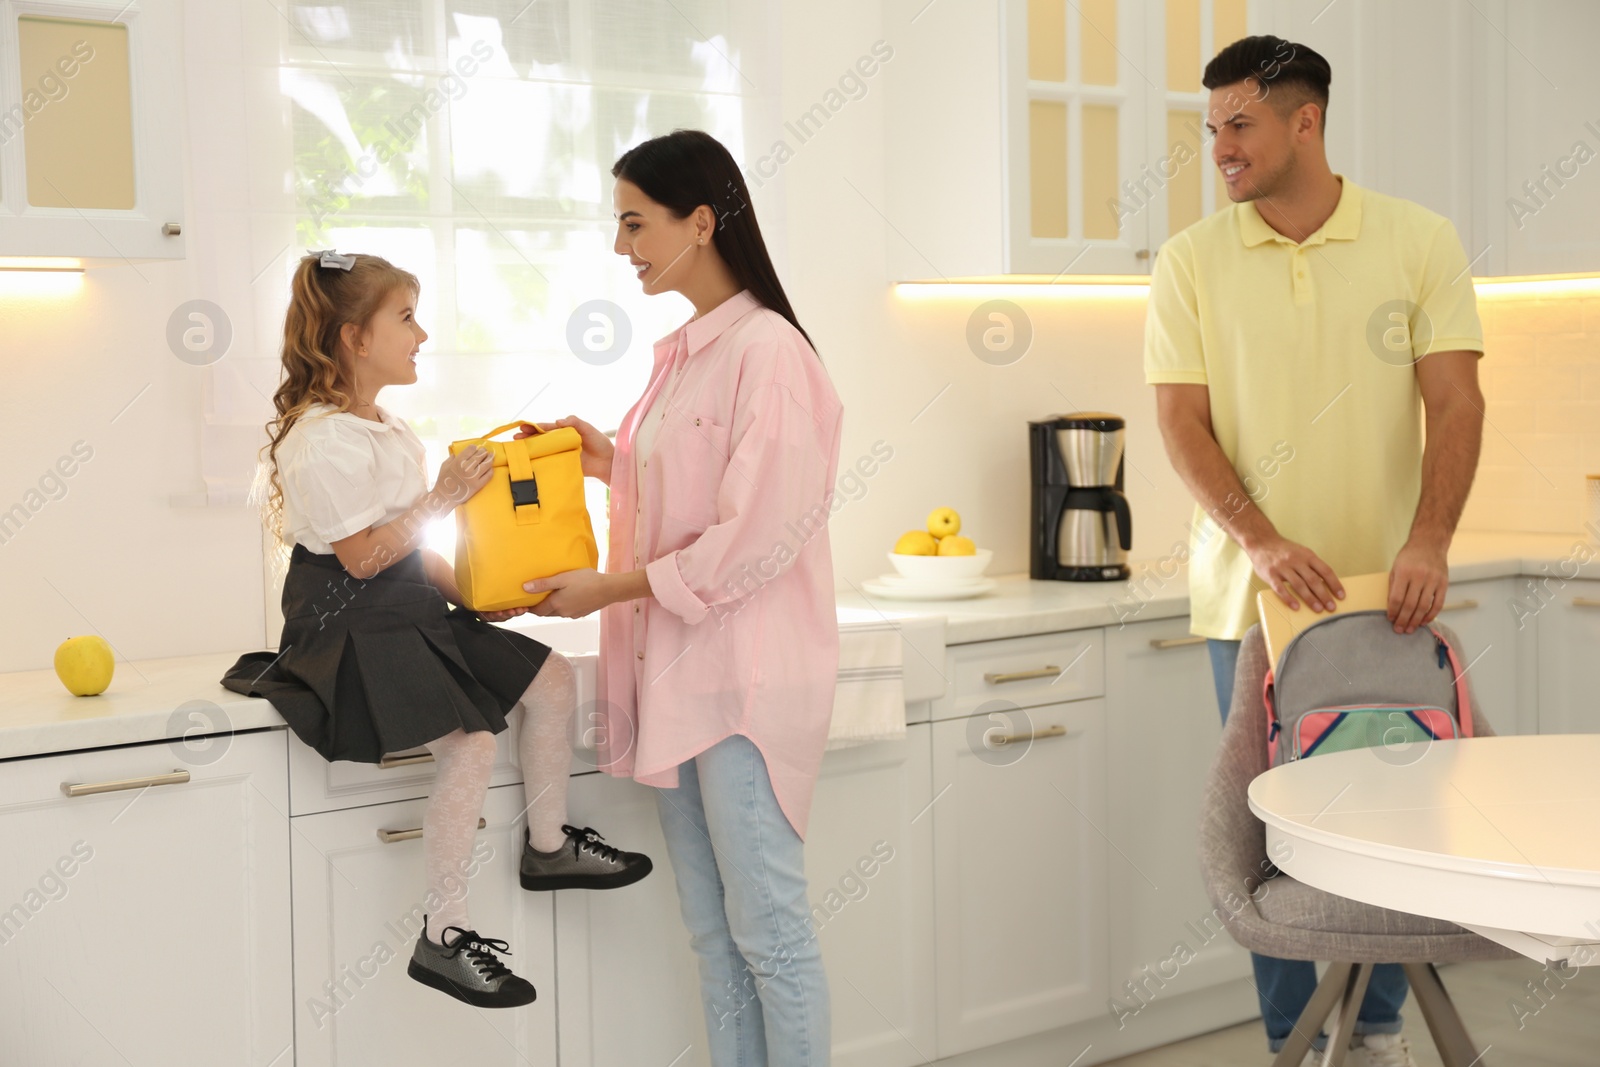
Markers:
point(1308, 351)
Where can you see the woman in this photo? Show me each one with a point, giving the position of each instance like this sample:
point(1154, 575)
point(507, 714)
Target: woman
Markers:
point(719, 642)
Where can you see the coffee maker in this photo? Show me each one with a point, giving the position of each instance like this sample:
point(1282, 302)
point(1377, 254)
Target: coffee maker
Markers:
point(1082, 528)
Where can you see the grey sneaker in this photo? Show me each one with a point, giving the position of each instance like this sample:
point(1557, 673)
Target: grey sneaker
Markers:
point(584, 862)
point(468, 969)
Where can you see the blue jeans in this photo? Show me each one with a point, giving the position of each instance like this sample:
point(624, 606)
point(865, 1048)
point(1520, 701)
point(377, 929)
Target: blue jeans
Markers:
point(1285, 986)
point(742, 889)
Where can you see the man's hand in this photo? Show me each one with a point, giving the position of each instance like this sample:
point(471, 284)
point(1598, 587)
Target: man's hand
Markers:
point(1417, 585)
point(1295, 573)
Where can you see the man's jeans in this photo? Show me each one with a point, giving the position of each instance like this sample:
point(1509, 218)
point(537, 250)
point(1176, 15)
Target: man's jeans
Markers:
point(1285, 986)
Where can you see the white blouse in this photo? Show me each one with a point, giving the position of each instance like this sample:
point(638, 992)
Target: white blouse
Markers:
point(341, 474)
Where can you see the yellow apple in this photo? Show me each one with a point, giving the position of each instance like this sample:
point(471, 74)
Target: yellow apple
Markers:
point(944, 522)
point(957, 546)
point(917, 543)
point(84, 665)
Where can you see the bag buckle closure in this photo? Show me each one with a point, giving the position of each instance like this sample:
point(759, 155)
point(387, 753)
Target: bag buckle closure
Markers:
point(525, 492)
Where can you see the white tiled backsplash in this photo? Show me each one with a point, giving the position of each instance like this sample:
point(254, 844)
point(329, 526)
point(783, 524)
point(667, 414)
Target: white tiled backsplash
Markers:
point(1541, 381)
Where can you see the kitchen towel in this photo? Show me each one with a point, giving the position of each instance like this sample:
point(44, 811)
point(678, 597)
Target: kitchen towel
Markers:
point(869, 703)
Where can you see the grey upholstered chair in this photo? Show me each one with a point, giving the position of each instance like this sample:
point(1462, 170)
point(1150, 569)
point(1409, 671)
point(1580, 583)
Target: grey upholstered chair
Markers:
point(1295, 921)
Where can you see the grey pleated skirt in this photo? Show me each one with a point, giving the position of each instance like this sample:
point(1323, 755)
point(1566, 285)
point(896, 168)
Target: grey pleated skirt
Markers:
point(369, 667)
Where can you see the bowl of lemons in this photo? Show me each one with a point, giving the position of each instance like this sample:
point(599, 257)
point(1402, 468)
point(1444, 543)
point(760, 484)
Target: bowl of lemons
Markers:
point(939, 553)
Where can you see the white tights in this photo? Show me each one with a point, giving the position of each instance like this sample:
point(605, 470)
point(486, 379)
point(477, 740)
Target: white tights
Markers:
point(465, 761)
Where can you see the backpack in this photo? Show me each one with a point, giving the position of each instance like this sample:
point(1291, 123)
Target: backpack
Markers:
point(1349, 681)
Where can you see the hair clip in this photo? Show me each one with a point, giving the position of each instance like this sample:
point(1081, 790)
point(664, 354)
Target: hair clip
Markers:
point(330, 258)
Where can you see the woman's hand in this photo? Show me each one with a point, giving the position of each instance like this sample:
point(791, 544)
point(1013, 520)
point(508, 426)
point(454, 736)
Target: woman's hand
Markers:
point(597, 447)
point(462, 475)
point(573, 594)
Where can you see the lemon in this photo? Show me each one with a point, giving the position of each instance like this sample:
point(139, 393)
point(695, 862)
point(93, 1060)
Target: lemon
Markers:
point(944, 522)
point(917, 543)
point(84, 665)
point(957, 546)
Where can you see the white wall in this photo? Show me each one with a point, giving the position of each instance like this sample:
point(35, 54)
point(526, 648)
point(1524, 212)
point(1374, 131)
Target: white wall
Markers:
point(115, 556)
point(891, 354)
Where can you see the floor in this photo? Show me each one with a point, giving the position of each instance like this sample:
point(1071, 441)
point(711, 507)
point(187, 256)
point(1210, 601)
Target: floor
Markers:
point(1561, 1030)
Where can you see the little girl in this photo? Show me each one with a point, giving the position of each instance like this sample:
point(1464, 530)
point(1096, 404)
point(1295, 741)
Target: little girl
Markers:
point(373, 660)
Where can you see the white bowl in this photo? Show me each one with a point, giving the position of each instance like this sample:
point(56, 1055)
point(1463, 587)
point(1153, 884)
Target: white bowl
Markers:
point(942, 568)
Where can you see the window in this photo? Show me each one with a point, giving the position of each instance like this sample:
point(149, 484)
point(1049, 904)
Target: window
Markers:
point(471, 142)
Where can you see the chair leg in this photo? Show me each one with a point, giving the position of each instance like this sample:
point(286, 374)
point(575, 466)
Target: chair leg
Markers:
point(1444, 1022)
point(1328, 993)
point(1348, 1008)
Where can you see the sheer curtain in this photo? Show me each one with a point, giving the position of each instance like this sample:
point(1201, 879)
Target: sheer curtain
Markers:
point(470, 142)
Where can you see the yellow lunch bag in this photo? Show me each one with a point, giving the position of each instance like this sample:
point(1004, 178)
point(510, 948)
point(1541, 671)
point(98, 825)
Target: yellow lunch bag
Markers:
point(529, 522)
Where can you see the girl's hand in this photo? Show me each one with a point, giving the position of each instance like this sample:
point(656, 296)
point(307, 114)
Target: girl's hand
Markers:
point(597, 447)
point(501, 616)
point(462, 475)
point(573, 594)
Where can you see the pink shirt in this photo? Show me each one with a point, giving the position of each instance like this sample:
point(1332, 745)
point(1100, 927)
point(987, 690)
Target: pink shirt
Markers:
point(728, 515)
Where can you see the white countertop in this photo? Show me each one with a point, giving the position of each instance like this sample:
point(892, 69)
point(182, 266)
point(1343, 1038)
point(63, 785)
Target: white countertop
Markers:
point(1020, 606)
point(150, 699)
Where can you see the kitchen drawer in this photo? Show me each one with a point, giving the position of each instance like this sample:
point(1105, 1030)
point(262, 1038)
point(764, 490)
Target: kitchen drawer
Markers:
point(316, 785)
point(1024, 671)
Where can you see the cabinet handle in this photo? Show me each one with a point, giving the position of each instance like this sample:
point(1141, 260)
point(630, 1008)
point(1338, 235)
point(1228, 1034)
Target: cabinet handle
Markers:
point(171, 229)
point(1021, 676)
point(1035, 735)
point(389, 763)
point(1585, 602)
point(390, 837)
point(1163, 643)
point(1460, 605)
point(78, 789)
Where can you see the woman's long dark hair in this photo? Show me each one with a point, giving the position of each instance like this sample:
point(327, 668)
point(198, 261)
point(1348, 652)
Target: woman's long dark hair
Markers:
point(687, 168)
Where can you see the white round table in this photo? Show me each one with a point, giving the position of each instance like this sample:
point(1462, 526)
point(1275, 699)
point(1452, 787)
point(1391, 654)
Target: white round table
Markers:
point(1500, 835)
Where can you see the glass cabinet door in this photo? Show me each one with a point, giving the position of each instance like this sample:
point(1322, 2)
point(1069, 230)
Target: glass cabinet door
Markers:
point(1189, 187)
point(91, 114)
point(77, 136)
point(1077, 94)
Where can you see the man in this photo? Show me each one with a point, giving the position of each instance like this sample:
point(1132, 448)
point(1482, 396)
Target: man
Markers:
point(1286, 340)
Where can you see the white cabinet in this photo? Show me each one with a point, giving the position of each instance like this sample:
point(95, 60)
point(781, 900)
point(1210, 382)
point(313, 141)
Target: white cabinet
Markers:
point(1073, 143)
point(147, 923)
point(1568, 621)
point(358, 906)
point(630, 988)
point(91, 121)
point(1019, 872)
point(629, 983)
point(1497, 655)
point(1406, 110)
point(1022, 672)
point(1480, 110)
point(869, 867)
point(1542, 194)
point(1162, 732)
